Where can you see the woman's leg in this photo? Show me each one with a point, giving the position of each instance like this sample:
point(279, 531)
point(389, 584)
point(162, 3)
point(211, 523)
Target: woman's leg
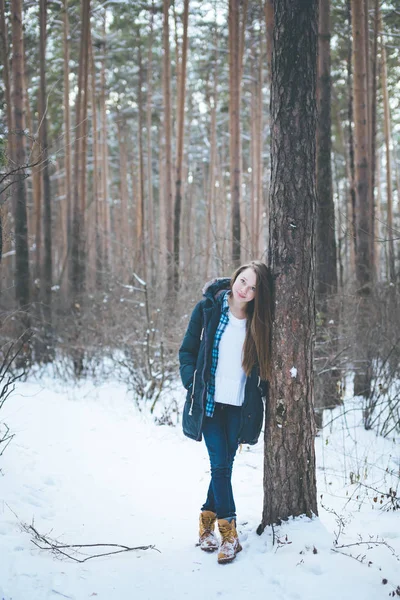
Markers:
point(221, 438)
point(233, 417)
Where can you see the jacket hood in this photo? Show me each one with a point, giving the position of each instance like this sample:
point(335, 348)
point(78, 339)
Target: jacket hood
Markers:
point(214, 288)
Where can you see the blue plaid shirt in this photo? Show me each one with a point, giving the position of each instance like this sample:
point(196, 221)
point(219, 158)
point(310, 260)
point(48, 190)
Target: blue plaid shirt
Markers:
point(223, 322)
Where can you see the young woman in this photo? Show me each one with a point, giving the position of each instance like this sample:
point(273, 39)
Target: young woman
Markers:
point(225, 367)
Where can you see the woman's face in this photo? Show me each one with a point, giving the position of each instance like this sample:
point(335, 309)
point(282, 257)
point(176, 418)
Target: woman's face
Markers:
point(244, 288)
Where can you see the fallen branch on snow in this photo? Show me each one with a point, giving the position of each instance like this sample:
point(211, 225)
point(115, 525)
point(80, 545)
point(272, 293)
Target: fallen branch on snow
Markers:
point(59, 550)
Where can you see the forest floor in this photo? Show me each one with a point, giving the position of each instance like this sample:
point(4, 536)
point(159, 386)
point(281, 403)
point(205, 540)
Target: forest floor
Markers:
point(86, 467)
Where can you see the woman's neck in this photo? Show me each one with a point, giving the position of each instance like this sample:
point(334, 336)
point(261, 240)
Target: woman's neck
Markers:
point(238, 309)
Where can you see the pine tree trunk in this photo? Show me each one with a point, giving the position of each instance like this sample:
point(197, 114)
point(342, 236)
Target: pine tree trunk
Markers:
point(390, 233)
point(269, 23)
point(22, 276)
point(234, 126)
point(326, 389)
point(361, 145)
point(149, 101)
point(142, 237)
point(368, 83)
point(180, 143)
point(78, 254)
point(6, 72)
point(168, 205)
point(106, 254)
point(46, 203)
point(212, 209)
point(364, 270)
point(351, 216)
point(289, 464)
point(374, 81)
point(67, 131)
point(259, 155)
point(95, 246)
point(121, 224)
point(326, 273)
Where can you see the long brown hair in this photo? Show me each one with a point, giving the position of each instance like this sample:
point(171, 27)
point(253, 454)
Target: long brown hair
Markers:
point(257, 344)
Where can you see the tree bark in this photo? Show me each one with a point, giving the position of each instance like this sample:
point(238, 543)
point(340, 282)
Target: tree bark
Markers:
point(149, 102)
point(67, 128)
point(289, 465)
point(326, 389)
point(351, 214)
point(95, 247)
point(269, 23)
point(142, 254)
point(234, 126)
point(168, 205)
point(326, 271)
point(46, 203)
point(22, 275)
point(105, 257)
point(374, 82)
point(78, 224)
point(390, 233)
point(180, 143)
point(121, 224)
point(361, 147)
point(7, 93)
point(6, 71)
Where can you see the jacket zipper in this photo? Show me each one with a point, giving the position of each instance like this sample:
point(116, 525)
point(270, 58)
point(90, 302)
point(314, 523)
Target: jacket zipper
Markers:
point(192, 396)
point(201, 335)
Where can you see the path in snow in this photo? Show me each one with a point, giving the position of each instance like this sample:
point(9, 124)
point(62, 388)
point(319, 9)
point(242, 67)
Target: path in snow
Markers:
point(86, 467)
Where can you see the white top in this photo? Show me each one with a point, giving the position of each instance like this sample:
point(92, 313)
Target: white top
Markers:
point(230, 379)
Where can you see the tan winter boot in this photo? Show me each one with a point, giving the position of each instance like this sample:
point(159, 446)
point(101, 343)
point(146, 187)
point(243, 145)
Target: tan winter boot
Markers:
point(230, 544)
point(207, 540)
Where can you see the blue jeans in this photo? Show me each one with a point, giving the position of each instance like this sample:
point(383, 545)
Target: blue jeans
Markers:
point(221, 434)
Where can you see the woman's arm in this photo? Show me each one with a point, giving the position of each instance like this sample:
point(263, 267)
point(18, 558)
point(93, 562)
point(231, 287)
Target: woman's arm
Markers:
point(190, 346)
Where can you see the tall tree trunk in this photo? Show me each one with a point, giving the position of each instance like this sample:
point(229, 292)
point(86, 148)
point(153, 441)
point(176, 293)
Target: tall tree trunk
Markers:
point(180, 141)
point(374, 82)
point(78, 225)
point(269, 23)
point(351, 216)
point(96, 245)
point(212, 208)
point(390, 233)
point(46, 203)
point(149, 102)
point(22, 276)
point(258, 137)
point(378, 218)
point(368, 83)
point(121, 223)
point(326, 389)
point(362, 380)
point(67, 130)
point(289, 463)
point(7, 93)
point(78, 258)
point(142, 236)
point(326, 272)
point(6, 71)
point(168, 205)
point(363, 232)
point(105, 257)
point(234, 126)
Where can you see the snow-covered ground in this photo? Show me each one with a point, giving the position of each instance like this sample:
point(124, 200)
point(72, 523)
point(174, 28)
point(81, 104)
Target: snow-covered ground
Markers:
point(86, 467)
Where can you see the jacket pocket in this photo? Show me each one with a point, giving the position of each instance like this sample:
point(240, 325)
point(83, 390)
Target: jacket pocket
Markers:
point(192, 394)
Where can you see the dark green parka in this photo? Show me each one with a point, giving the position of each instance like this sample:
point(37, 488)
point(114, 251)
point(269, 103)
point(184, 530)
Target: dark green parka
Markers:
point(195, 367)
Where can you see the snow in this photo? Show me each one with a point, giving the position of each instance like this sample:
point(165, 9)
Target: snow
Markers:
point(293, 372)
point(85, 466)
